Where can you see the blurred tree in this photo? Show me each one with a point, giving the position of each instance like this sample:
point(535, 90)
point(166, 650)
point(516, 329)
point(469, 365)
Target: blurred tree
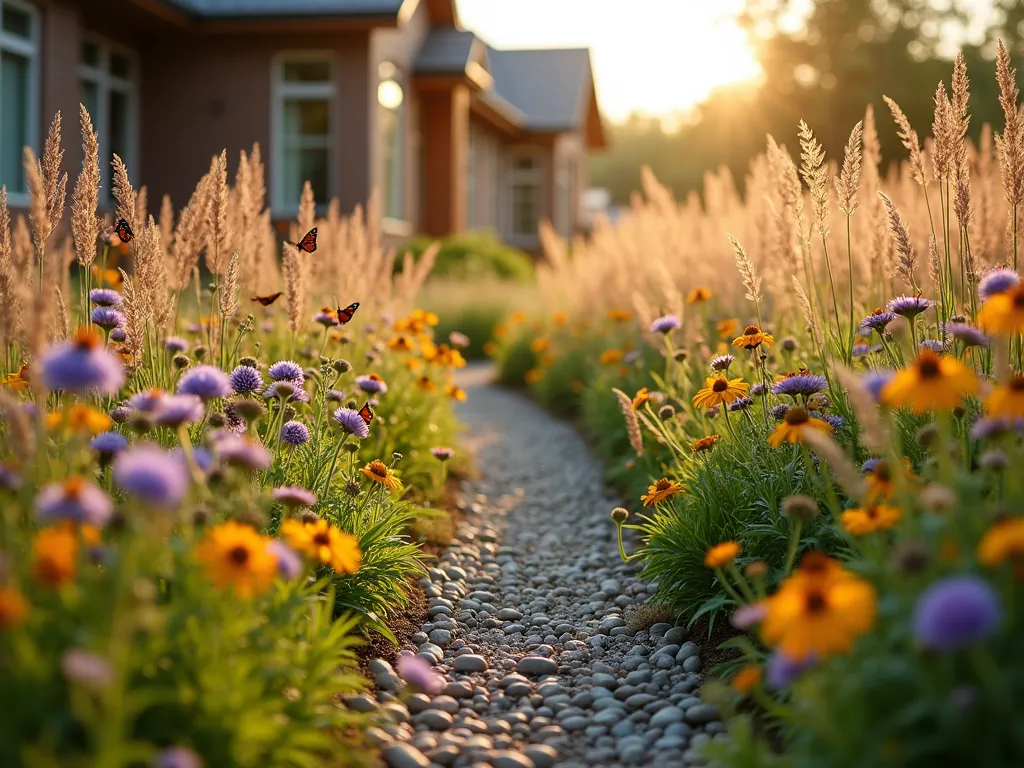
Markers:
point(824, 67)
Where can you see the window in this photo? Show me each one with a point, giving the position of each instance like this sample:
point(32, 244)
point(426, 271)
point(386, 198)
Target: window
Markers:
point(565, 196)
point(524, 182)
point(108, 76)
point(391, 100)
point(472, 162)
point(19, 59)
point(304, 94)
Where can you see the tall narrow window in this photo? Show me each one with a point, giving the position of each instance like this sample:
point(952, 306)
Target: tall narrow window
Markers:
point(19, 54)
point(391, 98)
point(108, 75)
point(563, 197)
point(524, 183)
point(472, 169)
point(304, 96)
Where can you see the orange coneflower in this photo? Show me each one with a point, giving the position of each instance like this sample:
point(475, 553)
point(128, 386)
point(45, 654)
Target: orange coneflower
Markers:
point(869, 519)
point(698, 295)
point(55, 555)
point(611, 356)
point(932, 381)
point(795, 425)
point(1003, 541)
point(642, 396)
point(752, 338)
point(533, 375)
point(620, 315)
point(456, 393)
point(660, 491)
point(705, 444)
point(728, 327)
point(322, 543)
point(747, 679)
point(722, 554)
point(718, 390)
point(381, 473)
point(236, 556)
point(13, 607)
point(1007, 402)
point(1003, 312)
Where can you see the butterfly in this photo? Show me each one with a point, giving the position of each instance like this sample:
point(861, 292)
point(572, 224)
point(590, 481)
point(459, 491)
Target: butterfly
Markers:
point(266, 301)
point(366, 414)
point(308, 243)
point(345, 315)
point(123, 231)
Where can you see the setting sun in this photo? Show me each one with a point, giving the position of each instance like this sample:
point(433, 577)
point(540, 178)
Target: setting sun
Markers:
point(656, 57)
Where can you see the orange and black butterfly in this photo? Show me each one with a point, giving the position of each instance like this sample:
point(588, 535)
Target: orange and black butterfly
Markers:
point(308, 243)
point(266, 301)
point(345, 315)
point(124, 231)
point(366, 414)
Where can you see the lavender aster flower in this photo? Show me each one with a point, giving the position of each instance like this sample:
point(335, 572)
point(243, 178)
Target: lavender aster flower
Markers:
point(997, 280)
point(152, 475)
point(442, 453)
point(337, 395)
point(10, 480)
point(967, 335)
point(782, 670)
point(909, 306)
point(245, 380)
point(740, 404)
point(147, 401)
point(119, 413)
point(778, 412)
point(756, 390)
point(869, 465)
point(175, 344)
point(352, 423)
point(106, 317)
point(177, 757)
point(105, 297)
point(289, 565)
point(286, 370)
point(831, 418)
point(241, 452)
point(861, 350)
point(86, 669)
point(722, 362)
point(805, 384)
point(933, 345)
point(108, 443)
point(326, 318)
point(118, 335)
point(206, 382)
point(294, 433)
point(876, 321)
point(632, 356)
point(748, 615)
point(81, 365)
point(665, 324)
point(202, 456)
point(175, 410)
point(418, 672)
point(372, 384)
point(75, 500)
point(875, 381)
point(956, 612)
point(287, 391)
point(987, 427)
point(294, 496)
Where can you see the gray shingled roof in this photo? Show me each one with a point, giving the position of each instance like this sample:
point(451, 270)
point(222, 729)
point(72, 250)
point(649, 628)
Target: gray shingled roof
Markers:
point(445, 51)
point(548, 86)
point(275, 8)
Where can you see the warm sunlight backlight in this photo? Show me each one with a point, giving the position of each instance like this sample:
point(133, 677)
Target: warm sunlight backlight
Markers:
point(652, 56)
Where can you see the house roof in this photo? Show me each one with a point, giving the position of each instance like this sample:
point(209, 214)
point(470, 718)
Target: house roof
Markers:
point(446, 51)
point(230, 9)
point(549, 86)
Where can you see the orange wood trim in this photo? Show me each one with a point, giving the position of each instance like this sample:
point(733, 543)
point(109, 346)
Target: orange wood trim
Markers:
point(157, 8)
point(311, 24)
point(488, 114)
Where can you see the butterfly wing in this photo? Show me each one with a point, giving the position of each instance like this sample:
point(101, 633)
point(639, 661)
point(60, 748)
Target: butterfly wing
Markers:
point(124, 231)
point(345, 315)
point(266, 301)
point(366, 414)
point(308, 243)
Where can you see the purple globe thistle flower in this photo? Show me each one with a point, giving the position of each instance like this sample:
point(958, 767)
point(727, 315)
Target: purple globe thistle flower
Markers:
point(722, 362)
point(177, 757)
point(876, 321)
point(326, 318)
point(336, 395)
point(202, 456)
point(118, 335)
point(956, 612)
point(967, 335)
point(241, 452)
point(294, 433)
point(106, 317)
point(782, 670)
point(10, 480)
point(105, 297)
point(830, 418)
point(75, 499)
point(909, 306)
point(152, 475)
point(106, 444)
point(352, 423)
point(756, 390)
point(740, 404)
point(997, 280)
point(175, 344)
point(233, 422)
point(147, 401)
point(287, 370)
point(289, 564)
point(778, 412)
point(286, 391)
point(932, 345)
point(206, 382)
point(372, 384)
point(442, 453)
point(805, 384)
point(869, 465)
point(417, 671)
point(294, 496)
point(666, 324)
point(86, 668)
point(81, 365)
point(119, 413)
point(861, 350)
point(875, 381)
point(245, 380)
point(175, 410)
point(987, 427)
point(194, 328)
point(994, 459)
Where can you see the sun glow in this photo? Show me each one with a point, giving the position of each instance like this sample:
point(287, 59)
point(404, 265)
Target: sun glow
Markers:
point(651, 56)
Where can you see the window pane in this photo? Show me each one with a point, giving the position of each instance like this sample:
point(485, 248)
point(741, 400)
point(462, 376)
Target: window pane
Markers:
point(120, 66)
point(306, 117)
point(17, 22)
point(393, 170)
point(524, 164)
point(91, 98)
point(524, 209)
point(307, 71)
point(90, 54)
point(120, 125)
point(14, 114)
point(301, 165)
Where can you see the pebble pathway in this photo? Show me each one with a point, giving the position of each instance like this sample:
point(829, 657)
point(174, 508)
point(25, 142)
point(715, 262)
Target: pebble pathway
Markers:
point(527, 621)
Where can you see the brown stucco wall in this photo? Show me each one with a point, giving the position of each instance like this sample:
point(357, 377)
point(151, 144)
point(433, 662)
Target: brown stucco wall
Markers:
point(445, 129)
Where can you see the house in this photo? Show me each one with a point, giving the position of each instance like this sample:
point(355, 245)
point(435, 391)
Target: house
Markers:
point(353, 95)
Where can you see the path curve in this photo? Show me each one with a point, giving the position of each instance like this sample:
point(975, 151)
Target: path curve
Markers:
point(528, 611)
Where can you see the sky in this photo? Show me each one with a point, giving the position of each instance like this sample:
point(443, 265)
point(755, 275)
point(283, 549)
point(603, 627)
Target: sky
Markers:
point(650, 56)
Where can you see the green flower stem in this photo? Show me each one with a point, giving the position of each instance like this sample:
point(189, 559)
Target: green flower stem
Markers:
point(728, 587)
point(794, 542)
point(334, 465)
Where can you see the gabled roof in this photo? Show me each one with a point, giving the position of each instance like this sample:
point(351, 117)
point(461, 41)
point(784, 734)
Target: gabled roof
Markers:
point(551, 87)
point(446, 51)
point(232, 9)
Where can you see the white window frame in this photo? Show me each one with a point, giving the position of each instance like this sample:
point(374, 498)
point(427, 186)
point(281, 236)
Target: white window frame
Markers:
point(397, 225)
point(282, 90)
point(107, 82)
point(514, 176)
point(30, 49)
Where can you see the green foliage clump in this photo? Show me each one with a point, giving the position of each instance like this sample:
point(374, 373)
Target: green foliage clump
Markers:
point(473, 256)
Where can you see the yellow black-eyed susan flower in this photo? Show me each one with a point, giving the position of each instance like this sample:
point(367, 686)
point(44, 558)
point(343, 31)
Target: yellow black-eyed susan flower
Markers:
point(752, 338)
point(379, 472)
point(931, 382)
point(869, 519)
point(698, 295)
point(1007, 401)
point(719, 390)
point(661, 490)
point(722, 554)
point(794, 426)
point(323, 543)
point(236, 557)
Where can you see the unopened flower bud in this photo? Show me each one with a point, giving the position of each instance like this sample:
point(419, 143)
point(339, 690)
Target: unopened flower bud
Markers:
point(799, 507)
point(666, 412)
point(180, 362)
point(619, 515)
point(249, 362)
point(200, 352)
point(341, 366)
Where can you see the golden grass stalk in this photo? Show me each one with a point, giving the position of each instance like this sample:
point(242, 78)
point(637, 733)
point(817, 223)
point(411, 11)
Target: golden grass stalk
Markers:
point(945, 128)
point(134, 322)
point(21, 437)
point(847, 183)
point(38, 215)
point(10, 293)
point(751, 281)
point(906, 257)
point(815, 175)
point(63, 321)
point(86, 193)
point(636, 439)
point(123, 193)
point(188, 235)
point(909, 139)
point(217, 215)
